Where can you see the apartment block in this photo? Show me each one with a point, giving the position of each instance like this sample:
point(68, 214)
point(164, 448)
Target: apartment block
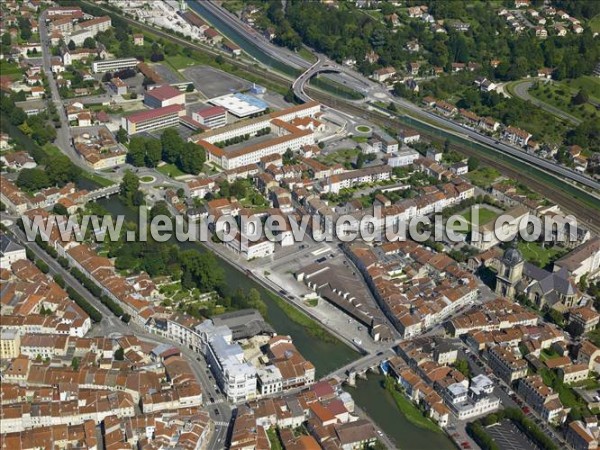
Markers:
point(154, 119)
point(112, 65)
point(506, 364)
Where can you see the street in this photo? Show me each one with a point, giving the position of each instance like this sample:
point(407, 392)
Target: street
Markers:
point(379, 94)
point(220, 411)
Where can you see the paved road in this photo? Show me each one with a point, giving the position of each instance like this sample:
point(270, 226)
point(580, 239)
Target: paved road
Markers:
point(501, 147)
point(63, 135)
point(502, 389)
point(521, 90)
point(346, 76)
point(220, 411)
point(382, 95)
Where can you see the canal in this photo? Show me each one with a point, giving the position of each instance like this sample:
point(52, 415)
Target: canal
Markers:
point(326, 356)
point(251, 48)
point(371, 396)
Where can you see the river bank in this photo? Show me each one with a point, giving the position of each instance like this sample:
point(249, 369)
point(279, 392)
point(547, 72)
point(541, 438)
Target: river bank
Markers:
point(316, 344)
point(372, 397)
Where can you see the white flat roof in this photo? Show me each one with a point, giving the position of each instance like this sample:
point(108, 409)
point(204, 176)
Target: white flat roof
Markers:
point(238, 105)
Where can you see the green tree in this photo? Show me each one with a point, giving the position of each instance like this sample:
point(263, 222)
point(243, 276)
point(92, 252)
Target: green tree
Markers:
point(6, 40)
point(360, 160)
point(60, 209)
point(288, 157)
point(18, 116)
point(61, 170)
point(89, 42)
point(58, 279)
point(473, 163)
point(172, 145)
point(160, 208)
point(204, 269)
point(136, 155)
point(462, 365)
point(122, 136)
point(289, 96)
point(153, 152)
point(42, 266)
point(119, 354)
point(75, 363)
point(138, 198)
point(580, 98)
point(71, 45)
point(191, 159)
point(129, 186)
point(33, 179)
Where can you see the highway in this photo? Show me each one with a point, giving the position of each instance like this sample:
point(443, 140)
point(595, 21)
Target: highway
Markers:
point(500, 146)
point(521, 90)
point(323, 65)
point(345, 75)
point(380, 94)
point(224, 411)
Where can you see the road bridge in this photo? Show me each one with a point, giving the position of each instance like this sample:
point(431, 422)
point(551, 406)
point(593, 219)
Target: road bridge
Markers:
point(325, 65)
point(103, 192)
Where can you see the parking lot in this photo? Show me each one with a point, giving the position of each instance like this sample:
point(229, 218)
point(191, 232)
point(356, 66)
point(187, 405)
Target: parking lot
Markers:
point(509, 437)
point(135, 84)
point(168, 74)
point(213, 82)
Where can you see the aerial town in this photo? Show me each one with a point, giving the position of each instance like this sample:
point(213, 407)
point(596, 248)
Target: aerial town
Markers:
point(162, 288)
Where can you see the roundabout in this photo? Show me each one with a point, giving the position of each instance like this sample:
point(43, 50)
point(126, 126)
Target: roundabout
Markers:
point(147, 179)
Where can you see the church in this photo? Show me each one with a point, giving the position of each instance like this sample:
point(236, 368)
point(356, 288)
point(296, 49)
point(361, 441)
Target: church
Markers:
point(545, 289)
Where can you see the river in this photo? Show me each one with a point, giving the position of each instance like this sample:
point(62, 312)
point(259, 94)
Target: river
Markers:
point(326, 356)
point(371, 396)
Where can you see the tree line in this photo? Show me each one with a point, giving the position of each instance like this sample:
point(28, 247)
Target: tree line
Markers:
point(171, 148)
point(346, 32)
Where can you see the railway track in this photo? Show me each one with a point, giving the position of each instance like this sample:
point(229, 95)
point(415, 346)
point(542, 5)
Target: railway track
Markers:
point(568, 202)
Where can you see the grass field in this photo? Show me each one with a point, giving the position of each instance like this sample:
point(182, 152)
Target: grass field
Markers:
point(589, 83)
point(482, 214)
point(410, 411)
point(335, 88)
point(51, 150)
point(595, 24)
point(340, 156)
point(560, 95)
point(483, 177)
point(312, 328)
point(533, 252)
point(180, 61)
point(10, 69)
point(312, 302)
point(363, 128)
point(170, 170)
point(307, 55)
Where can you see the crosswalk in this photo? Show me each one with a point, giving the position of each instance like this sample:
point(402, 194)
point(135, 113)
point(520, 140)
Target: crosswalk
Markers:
point(221, 424)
